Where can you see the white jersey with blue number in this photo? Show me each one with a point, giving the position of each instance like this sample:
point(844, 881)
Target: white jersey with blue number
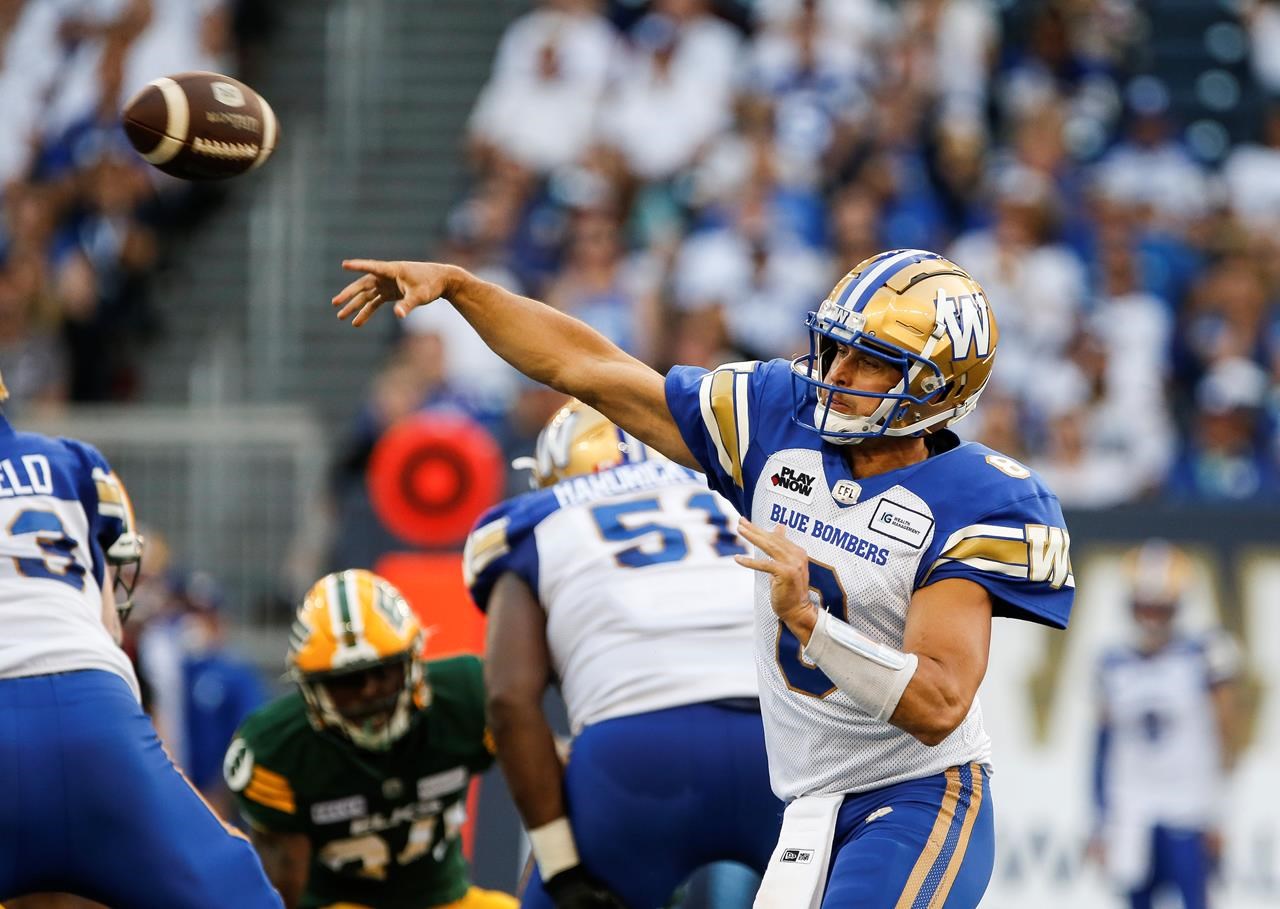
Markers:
point(61, 508)
point(1162, 759)
point(965, 512)
point(646, 608)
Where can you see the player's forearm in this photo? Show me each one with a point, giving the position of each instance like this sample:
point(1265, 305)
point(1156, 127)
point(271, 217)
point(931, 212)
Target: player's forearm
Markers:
point(286, 858)
point(913, 691)
point(110, 616)
point(538, 340)
point(527, 754)
point(934, 704)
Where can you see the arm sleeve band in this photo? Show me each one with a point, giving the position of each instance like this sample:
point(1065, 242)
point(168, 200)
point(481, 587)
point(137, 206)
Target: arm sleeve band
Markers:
point(872, 675)
point(554, 848)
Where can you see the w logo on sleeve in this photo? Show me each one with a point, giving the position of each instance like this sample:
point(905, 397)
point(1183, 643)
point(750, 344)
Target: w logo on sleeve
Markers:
point(967, 319)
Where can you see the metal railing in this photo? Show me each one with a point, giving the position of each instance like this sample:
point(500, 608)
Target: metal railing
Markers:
point(237, 491)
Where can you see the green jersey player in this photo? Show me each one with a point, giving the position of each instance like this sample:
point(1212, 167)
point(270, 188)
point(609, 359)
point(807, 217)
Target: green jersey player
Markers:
point(354, 786)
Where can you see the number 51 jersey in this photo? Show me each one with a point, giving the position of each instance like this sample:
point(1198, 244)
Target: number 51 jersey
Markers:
point(646, 608)
point(965, 512)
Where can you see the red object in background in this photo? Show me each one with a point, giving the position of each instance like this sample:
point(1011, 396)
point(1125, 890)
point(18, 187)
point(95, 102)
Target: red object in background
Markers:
point(432, 583)
point(432, 475)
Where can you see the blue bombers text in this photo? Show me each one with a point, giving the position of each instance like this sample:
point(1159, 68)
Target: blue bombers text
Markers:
point(829, 533)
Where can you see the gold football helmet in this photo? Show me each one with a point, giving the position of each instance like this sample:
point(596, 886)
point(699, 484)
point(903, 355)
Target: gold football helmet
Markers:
point(1158, 576)
point(920, 313)
point(1158, 573)
point(578, 440)
point(351, 625)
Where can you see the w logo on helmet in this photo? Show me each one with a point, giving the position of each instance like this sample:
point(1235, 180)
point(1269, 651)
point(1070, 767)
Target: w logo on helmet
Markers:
point(967, 319)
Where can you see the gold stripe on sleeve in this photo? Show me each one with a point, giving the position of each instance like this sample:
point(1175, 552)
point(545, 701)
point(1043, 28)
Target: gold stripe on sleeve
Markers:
point(1010, 552)
point(726, 417)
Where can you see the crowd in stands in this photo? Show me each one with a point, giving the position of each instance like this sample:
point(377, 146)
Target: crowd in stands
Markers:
point(80, 213)
point(692, 178)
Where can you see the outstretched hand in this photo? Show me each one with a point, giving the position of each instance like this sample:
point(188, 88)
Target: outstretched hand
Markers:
point(407, 284)
point(788, 568)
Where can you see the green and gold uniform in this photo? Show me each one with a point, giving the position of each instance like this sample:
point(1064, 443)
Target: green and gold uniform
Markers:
point(384, 825)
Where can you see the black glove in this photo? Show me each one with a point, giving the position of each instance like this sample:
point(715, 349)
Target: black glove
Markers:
point(575, 888)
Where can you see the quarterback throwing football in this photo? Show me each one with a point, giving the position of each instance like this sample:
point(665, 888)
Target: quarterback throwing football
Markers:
point(884, 548)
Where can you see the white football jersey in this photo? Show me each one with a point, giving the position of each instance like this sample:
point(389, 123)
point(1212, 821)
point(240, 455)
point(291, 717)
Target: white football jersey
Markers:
point(966, 512)
point(1163, 763)
point(646, 608)
point(61, 507)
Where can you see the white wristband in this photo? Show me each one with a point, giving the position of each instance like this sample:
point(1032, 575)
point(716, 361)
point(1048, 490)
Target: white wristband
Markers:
point(553, 847)
point(872, 675)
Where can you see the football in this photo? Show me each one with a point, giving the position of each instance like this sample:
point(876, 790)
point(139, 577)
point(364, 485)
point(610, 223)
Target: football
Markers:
point(201, 126)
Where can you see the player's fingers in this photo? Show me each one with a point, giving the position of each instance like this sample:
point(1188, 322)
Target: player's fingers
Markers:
point(368, 310)
point(355, 303)
point(775, 543)
point(766, 565)
point(372, 266)
point(355, 287)
point(751, 531)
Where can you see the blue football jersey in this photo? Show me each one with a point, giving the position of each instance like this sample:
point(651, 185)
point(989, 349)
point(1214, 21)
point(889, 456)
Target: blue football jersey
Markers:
point(967, 512)
point(62, 508)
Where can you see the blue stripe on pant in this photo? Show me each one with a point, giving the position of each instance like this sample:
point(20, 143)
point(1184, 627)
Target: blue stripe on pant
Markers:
point(922, 844)
point(93, 806)
point(653, 797)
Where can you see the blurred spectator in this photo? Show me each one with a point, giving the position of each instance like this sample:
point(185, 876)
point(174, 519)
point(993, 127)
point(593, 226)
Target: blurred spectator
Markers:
point(1109, 433)
point(855, 228)
point(958, 156)
point(1081, 473)
point(1263, 19)
point(31, 359)
point(946, 48)
point(94, 38)
point(1036, 285)
point(597, 285)
point(1225, 459)
point(180, 36)
point(858, 25)
point(998, 424)
point(201, 690)
point(543, 97)
point(812, 81)
point(1058, 60)
point(1225, 317)
point(758, 284)
point(1252, 175)
point(674, 89)
point(29, 61)
point(1150, 167)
